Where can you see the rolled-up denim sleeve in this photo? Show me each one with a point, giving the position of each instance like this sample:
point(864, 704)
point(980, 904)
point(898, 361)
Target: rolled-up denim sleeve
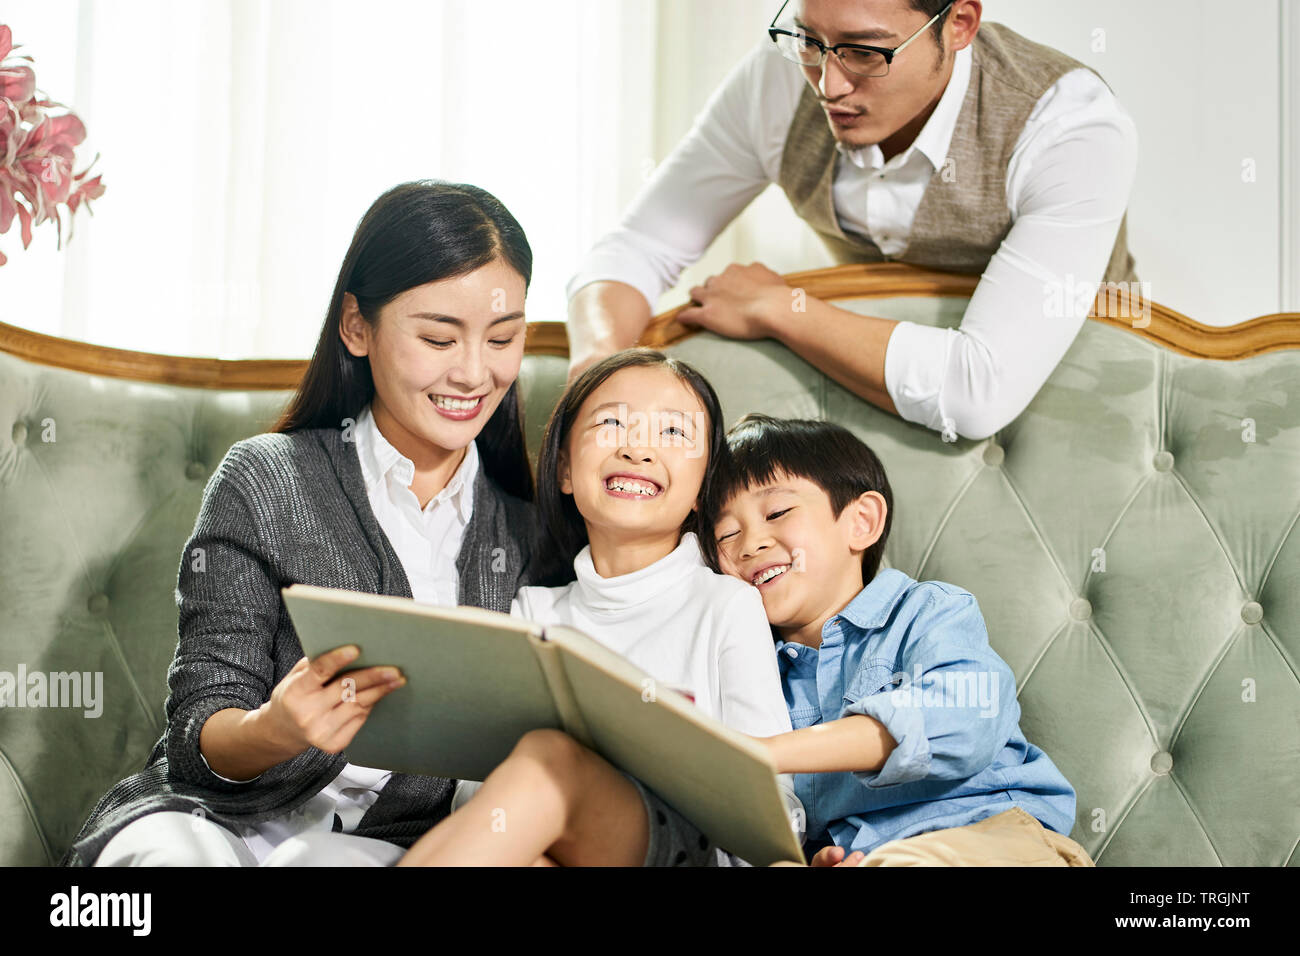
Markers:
point(952, 706)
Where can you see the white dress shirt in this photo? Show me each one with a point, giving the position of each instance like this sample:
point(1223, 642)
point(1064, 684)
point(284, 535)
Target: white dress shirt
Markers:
point(427, 541)
point(1067, 187)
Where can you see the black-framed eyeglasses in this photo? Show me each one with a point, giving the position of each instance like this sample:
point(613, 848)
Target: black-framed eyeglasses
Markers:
point(857, 58)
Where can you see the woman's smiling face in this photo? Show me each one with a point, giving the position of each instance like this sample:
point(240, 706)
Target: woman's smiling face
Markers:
point(443, 355)
point(635, 457)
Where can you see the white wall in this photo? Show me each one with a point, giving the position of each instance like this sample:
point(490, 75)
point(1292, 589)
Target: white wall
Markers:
point(1208, 239)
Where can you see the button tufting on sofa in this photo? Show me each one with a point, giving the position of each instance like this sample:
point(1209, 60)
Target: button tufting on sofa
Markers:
point(1162, 762)
point(97, 604)
point(1081, 609)
point(1163, 461)
point(19, 433)
point(1252, 612)
point(195, 470)
point(993, 454)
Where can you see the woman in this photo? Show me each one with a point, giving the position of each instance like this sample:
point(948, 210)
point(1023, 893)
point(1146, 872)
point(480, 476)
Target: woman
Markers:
point(398, 468)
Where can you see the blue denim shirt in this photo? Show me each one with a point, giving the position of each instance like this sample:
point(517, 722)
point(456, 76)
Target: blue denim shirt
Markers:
point(916, 657)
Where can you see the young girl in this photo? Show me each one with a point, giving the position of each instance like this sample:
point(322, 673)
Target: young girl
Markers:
point(628, 458)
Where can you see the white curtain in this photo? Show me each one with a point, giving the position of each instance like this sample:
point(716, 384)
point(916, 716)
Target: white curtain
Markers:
point(242, 140)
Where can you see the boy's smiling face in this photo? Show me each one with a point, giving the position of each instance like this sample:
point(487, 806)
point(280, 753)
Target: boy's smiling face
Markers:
point(806, 562)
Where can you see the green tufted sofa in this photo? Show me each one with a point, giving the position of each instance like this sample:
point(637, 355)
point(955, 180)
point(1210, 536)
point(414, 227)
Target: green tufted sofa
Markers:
point(1135, 554)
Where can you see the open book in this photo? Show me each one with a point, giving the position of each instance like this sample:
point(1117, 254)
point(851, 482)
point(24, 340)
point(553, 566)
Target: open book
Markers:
point(478, 680)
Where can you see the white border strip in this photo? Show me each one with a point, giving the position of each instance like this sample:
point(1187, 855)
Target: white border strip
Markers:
point(1289, 158)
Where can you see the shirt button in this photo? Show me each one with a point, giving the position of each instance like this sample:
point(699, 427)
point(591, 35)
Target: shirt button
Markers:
point(792, 651)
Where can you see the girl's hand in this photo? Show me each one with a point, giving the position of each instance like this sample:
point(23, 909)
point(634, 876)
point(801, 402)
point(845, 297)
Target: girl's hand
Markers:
point(834, 856)
point(313, 707)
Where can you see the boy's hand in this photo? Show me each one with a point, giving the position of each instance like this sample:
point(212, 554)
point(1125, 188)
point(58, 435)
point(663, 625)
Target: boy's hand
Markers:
point(771, 746)
point(834, 856)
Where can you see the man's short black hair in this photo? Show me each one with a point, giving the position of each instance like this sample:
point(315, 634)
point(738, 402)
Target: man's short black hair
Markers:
point(761, 448)
point(931, 8)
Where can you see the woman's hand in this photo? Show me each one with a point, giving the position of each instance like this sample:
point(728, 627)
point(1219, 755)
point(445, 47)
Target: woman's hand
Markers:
point(314, 707)
point(310, 707)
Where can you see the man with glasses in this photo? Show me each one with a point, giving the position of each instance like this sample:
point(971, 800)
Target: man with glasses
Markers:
point(900, 130)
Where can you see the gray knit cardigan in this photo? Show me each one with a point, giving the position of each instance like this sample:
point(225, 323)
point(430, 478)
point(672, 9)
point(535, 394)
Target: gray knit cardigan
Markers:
point(283, 509)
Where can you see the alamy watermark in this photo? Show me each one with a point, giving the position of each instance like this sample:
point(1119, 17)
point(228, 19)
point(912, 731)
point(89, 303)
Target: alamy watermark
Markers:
point(1115, 300)
point(657, 429)
point(947, 689)
point(84, 689)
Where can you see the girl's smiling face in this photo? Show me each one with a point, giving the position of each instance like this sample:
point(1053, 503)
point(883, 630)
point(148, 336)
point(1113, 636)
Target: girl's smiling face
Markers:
point(635, 457)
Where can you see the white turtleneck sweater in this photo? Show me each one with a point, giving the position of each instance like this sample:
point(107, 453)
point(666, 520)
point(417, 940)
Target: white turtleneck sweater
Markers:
point(687, 627)
point(684, 625)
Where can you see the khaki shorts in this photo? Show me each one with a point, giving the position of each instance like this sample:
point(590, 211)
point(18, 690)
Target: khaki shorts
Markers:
point(1011, 838)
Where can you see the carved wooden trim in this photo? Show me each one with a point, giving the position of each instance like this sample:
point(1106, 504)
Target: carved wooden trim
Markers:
point(1166, 328)
point(541, 338)
point(1158, 323)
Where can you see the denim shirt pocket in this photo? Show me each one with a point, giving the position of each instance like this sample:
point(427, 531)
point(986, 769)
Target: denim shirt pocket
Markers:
point(872, 677)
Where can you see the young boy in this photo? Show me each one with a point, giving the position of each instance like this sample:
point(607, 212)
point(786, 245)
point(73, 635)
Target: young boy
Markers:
point(907, 748)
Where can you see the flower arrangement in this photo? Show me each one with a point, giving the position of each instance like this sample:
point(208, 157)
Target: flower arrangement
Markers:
point(36, 152)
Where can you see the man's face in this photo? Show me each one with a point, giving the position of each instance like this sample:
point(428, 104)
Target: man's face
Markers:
point(875, 107)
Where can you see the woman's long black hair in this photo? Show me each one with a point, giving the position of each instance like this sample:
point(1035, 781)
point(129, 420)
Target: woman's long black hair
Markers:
point(416, 233)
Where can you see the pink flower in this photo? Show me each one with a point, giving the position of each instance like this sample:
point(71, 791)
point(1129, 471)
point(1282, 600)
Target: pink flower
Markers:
point(17, 83)
point(37, 153)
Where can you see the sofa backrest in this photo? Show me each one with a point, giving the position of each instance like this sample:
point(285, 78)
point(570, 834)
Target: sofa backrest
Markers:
point(1131, 539)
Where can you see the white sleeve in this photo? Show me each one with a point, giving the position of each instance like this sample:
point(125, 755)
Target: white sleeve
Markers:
point(725, 160)
point(749, 680)
point(1068, 184)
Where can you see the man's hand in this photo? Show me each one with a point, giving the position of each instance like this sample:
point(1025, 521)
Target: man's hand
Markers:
point(741, 302)
point(834, 856)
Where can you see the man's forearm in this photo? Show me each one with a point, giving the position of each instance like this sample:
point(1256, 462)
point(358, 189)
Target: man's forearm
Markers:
point(853, 743)
point(604, 317)
point(848, 347)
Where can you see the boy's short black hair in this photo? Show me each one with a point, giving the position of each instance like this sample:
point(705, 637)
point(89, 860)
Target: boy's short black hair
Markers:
point(761, 447)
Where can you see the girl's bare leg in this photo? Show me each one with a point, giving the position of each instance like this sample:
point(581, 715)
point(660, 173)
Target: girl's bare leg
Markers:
point(551, 797)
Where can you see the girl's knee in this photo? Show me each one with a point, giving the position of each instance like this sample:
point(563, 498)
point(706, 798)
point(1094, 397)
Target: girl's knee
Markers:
point(553, 749)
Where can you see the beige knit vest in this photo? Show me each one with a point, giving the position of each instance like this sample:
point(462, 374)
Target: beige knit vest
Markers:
point(963, 215)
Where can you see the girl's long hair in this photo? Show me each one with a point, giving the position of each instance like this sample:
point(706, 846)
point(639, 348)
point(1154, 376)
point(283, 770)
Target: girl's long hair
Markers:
point(563, 520)
point(416, 233)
